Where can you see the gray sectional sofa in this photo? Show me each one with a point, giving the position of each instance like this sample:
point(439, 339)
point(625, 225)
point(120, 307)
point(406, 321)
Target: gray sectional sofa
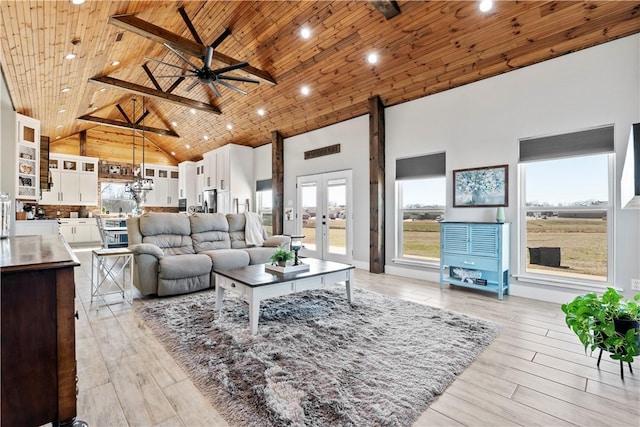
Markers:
point(175, 253)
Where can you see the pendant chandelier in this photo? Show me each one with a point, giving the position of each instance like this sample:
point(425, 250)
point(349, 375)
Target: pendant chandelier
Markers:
point(139, 187)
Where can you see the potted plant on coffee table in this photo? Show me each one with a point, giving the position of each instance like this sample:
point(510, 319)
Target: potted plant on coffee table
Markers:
point(609, 322)
point(281, 256)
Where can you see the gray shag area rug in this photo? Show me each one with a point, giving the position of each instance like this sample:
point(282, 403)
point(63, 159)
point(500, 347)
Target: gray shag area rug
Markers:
point(316, 360)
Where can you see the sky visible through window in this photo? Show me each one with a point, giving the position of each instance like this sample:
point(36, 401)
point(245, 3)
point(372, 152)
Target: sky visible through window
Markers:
point(569, 181)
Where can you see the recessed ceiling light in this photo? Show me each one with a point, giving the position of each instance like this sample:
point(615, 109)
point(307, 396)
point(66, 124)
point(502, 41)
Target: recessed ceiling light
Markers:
point(305, 33)
point(58, 137)
point(77, 1)
point(59, 126)
point(229, 126)
point(116, 62)
point(173, 153)
point(70, 55)
point(261, 112)
point(206, 138)
point(187, 146)
point(174, 124)
point(62, 110)
point(372, 58)
point(305, 90)
point(486, 5)
point(193, 111)
point(102, 89)
point(65, 89)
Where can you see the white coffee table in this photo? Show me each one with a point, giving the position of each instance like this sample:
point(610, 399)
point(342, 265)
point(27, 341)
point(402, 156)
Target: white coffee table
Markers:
point(255, 284)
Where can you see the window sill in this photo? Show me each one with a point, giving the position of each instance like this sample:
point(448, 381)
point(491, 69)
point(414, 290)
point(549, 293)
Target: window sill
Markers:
point(564, 283)
point(416, 263)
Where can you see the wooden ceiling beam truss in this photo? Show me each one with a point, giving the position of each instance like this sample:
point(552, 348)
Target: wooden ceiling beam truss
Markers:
point(153, 93)
point(128, 125)
point(151, 77)
point(160, 35)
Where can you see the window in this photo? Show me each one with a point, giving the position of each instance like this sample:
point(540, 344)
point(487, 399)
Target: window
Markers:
point(115, 199)
point(264, 201)
point(567, 207)
point(421, 190)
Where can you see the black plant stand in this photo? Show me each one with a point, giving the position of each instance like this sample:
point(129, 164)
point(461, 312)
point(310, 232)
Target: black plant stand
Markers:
point(621, 366)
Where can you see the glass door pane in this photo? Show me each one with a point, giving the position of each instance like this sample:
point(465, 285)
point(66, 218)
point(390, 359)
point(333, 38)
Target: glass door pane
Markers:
point(336, 216)
point(308, 212)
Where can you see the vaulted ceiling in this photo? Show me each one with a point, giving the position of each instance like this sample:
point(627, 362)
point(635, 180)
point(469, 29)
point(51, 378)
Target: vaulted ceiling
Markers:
point(429, 47)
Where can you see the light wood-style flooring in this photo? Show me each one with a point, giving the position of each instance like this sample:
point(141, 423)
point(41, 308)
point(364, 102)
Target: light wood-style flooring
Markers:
point(534, 374)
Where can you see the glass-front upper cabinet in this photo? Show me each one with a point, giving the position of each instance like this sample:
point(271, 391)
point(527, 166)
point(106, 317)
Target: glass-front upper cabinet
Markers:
point(28, 162)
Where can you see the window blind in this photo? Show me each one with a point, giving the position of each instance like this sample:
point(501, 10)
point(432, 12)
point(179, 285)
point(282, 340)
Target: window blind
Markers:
point(263, 185)
point(427, 166)
point(591, 141)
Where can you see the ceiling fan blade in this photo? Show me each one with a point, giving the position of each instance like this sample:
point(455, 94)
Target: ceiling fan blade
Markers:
point(164, 63)
point(184, 58)
point(231, 67)
point(232, 87)
point(208, 56)
point(226, 33)
point(190, 26)
point(177, 75)
point(238, 79)
point(192, 85)
point(215, 89)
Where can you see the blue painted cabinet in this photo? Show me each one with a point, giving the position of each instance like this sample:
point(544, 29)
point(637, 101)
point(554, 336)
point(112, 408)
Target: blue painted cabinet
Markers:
point(475, 255)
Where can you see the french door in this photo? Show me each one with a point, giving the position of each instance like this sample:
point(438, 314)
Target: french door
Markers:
point(324, 215)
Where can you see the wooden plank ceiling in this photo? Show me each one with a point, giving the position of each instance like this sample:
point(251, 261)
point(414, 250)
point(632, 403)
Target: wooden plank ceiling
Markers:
point(431, 46)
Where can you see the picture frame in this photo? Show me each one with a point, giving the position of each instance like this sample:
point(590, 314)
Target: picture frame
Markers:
point(481, 187)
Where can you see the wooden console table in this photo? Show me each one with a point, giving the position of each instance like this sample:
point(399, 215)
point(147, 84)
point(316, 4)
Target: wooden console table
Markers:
point(38, 331)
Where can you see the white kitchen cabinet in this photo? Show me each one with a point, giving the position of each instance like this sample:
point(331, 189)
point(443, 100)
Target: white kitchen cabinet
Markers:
point(232, 174)
point(28, 158)
point(187, 182)
point(165, 185)
point(199, 182)
point(75, 181)
point(80, 230)
point(210, 165)
point(36, 227)
point(223, 167)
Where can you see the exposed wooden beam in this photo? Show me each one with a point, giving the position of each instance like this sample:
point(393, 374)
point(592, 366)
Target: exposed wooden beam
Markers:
point(146, 69)
point(175, 84)
point(160, 35)
point(277, 182)
point(389, 8)
point(376, 185)
point(147, 91)
point(122, 112)
point(125, 125)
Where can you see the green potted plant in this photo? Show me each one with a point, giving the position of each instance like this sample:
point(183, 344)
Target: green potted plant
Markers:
point(281, 256)
point(609, 322)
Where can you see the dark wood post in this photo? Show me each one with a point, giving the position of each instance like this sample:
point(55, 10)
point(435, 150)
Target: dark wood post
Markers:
point(83, 142)
point(277, 181)
point(376, 186)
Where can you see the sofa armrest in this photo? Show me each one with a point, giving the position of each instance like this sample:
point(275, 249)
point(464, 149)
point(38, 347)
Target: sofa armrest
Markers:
point(146, 248)
point(278, 240)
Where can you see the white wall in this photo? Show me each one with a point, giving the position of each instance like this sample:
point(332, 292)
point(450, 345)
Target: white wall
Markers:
point(479, 125)
point(353, 137)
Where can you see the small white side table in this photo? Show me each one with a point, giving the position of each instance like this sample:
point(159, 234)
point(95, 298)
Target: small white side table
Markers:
point(108, 269)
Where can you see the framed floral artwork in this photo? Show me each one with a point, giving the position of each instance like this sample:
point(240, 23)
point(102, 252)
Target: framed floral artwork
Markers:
point(481, 187)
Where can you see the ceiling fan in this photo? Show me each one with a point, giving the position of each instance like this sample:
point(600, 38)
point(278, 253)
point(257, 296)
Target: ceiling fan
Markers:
point(205, 74)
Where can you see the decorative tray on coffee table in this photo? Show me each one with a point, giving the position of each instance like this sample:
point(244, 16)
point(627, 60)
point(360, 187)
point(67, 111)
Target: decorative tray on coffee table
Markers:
point(288, 269)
